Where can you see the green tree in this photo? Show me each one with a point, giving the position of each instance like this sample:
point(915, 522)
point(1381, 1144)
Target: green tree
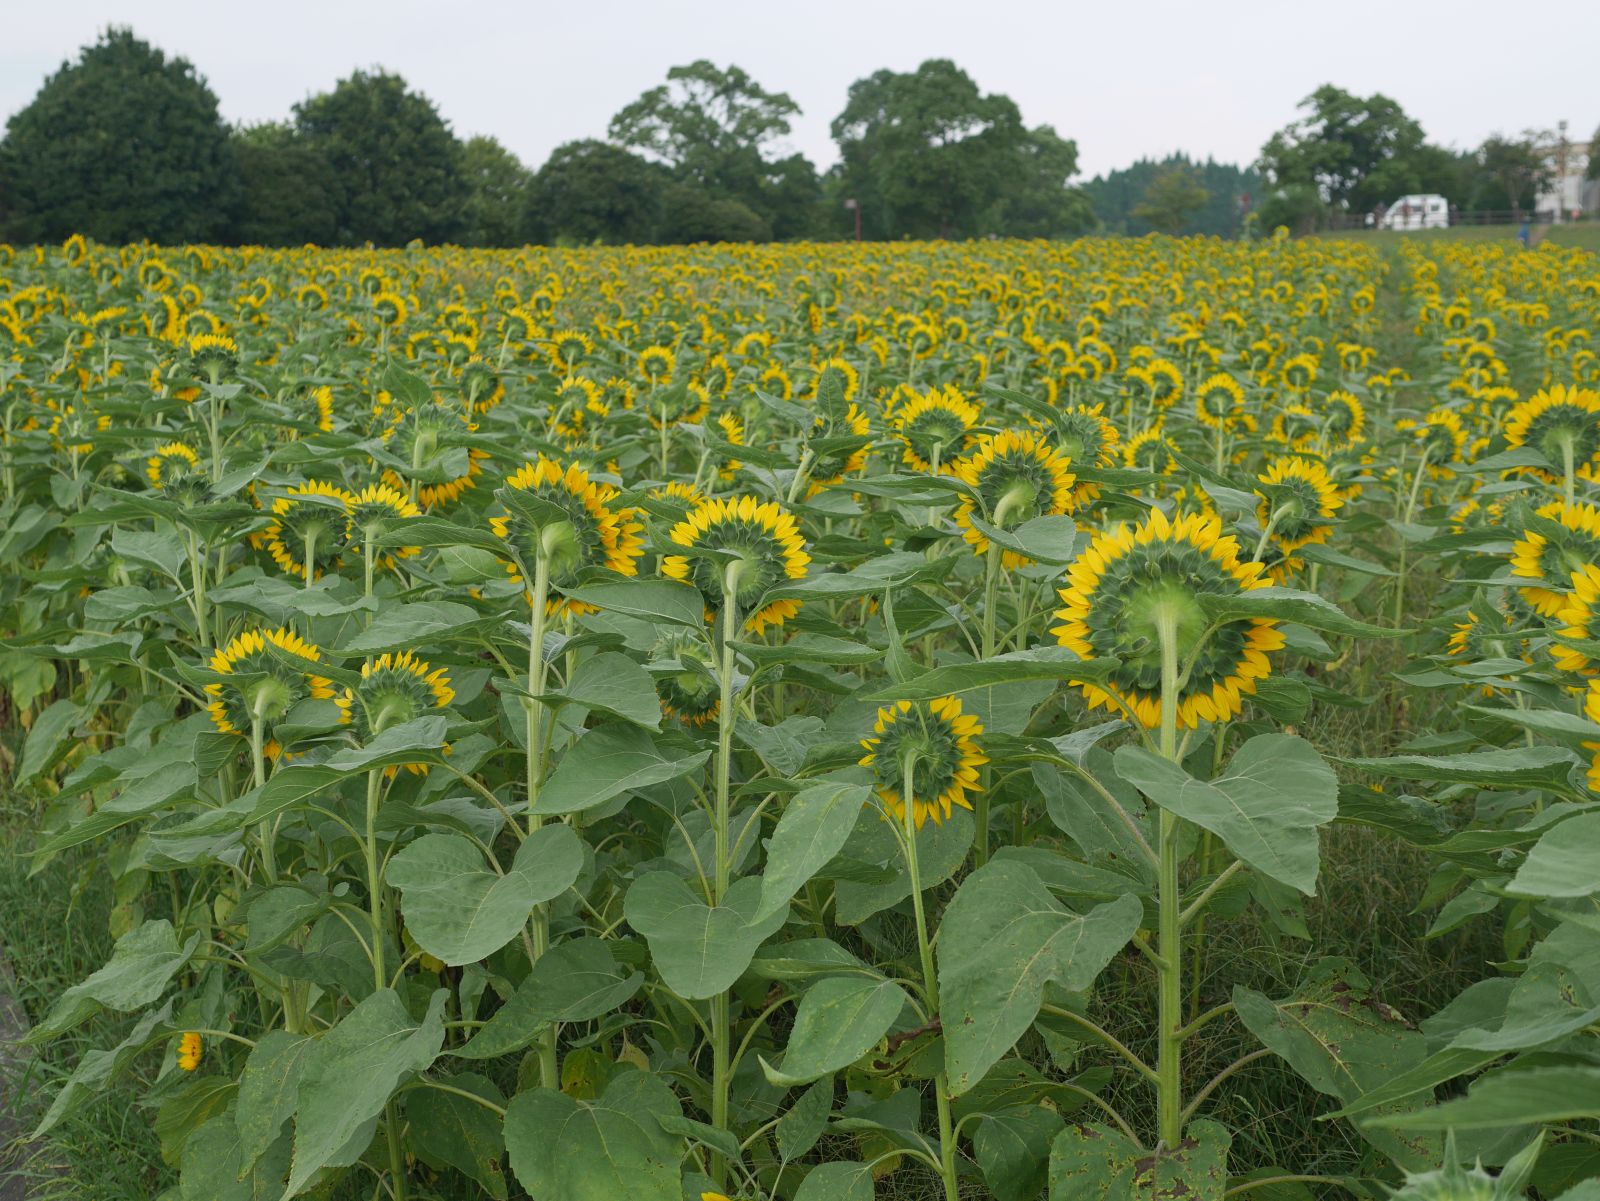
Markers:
point(925, 152)
point(397, 165)
point(1359, 152)
point(497, 194)
point(1230, 190)
point(1039, 201)
point(1594, 155)
point(1298, 207)
point(715, 129)
point(289, 193)
point(1173, 197)
point(691, 214)
point(591, 191)
point(1511, 172)
point(124, 144)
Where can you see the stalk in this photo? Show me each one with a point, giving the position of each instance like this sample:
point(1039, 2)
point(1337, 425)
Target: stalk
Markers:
point(1169, 1064)
point(258, 776)
point(549, 1071)
point(930, 980)
point(1405, 545)
point(721, 1075)
point(374, 876)
point(980, 806)
point(198, 573)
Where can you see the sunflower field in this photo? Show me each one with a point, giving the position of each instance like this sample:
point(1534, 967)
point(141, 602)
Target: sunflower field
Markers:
point(811, 722)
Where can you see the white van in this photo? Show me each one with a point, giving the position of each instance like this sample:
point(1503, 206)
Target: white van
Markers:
point(1417, 212)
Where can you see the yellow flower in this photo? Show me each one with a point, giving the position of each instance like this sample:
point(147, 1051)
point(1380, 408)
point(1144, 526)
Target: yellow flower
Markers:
point(1018, 476)
point(940, 742)
point(190, 1048)
point(769, 550)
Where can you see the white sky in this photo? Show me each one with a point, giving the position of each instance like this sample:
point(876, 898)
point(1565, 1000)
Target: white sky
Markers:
point(1125, 79)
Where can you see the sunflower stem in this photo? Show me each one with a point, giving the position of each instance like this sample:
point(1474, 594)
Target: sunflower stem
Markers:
point(1405, 544)
point(980, 806)
point(1567, 467)
point(549, 1069)
point(198, 572)
point(366, 569)
point(930, 979)
point(1169, 1064)
point(726, 719)
point(800, 473)
point(258, 777)
point(375, 875)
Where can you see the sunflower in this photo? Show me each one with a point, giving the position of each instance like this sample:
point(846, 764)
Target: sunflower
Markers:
point(481, 385)
point(1150, 450)
point(1560, 540)
point(190, 1048)
point(1440, 436)
point(768, 550)
point(214, 356)
point(656, 365)
point(693, 694)
point(732, 428)
point(941, 743)
point(1345, 419)
point(264, 688)
point(839, 448)
point(1591, 710)
point(307, 529)
point(175, 468)
point(568, 348)
point(936, 427)
point(1219, 402)
point(1018, 476)
point(1298, 502)
point(1558, 422)
point(425, 439)
point(371, 512)
point(394, 689)
point(591, 533)
point(1578, 618)
point(1128, 582)
point(390, 308)
point(322, 401)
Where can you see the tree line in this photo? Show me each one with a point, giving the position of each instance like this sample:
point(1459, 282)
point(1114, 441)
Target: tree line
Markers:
point(127, 143)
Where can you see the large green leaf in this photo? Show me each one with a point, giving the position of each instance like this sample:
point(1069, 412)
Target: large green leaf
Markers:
point(142, 964)
point(1266, 807)
point(840, 1180)
point(268, 1091)
point(1512, 1097)
point(615, 1147)
point(1098, 1163)
point(1344, 1042)
point(573, 981)
point(420, 623)
point(98, 1068)
point(699, 950)
point(652, 600)
point(47, 740)
point(447, 1128)
point(614, 684)
point(1040, 663)
point(610, 761)
point(215, 1167)
point(839, 1020)
point(1511, 767)
point(1012, 1147)
point(813, 827)
point(1003, 938)
point(1287, 604)
point(1562, 863)
point(352, 1072)
point(459, 910)
point(798, 1130)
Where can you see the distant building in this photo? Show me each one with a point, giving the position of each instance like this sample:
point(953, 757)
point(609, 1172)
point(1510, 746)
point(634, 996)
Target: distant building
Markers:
point(1569, 190)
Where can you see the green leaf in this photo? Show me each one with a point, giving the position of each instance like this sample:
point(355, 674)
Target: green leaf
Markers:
point(1012, 1147)
point(48, 740)
point(149, 784)
point(215, 1167)
point(402, 627)
point(98, 1068)
point(597, 1151)
point(699, 950)
point(1040, 663)
point(1047, 539)
point(614, 684)
point(1267, 807)
point(1002, 939)
point(1287, 604)
point(573, 981)
point(1513, 1097)
point(1562, 862)
point(1097, 1163)
point(1512, 767)
point(142, 964)
point(814, 825)
point(268, 1091)
point(839, 1020)
point(352, 1072)
point(798, 1130)
point(459, 910)
point(1343, 1042)
point(610, 761)
point(654, 600)
point(452, 1130)
point(841, 1180)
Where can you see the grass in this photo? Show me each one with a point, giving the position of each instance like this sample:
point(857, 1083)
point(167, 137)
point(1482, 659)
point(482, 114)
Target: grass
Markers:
point(1585, 234)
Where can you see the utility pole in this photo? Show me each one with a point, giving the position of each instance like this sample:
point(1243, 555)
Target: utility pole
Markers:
point(854, 206)
point(1561, 169)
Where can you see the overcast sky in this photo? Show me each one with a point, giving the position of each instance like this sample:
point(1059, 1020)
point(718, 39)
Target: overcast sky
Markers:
point(1124, 80)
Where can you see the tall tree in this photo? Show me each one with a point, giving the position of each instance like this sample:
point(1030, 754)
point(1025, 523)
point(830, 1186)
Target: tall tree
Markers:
point(289, 193)
point(1512, 171)
point(121, 145)
point(1039, 201)
point(925, 152)
point(1172, 198)
point(716, 129)
point(1230, 192)
point(397, 165)
point(592, 191)
point(497, 194)
point(1356, 150)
